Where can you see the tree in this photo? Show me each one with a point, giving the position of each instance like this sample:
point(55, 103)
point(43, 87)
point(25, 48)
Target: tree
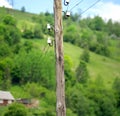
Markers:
point(5, 69)
point(103, 99)
point(33, 66)
point(75, 17)
point(87, 37)
point(97, 24)
point(23, 9)
point(9, 20)
point(85, 55)
point(28, 34)
point(9, 31)
point(78, 102)
point(116, 29)
point(38, 32)
point(109, 27)
point(71, 34)
point(116, 88)
point(16, 109)
point(69, 74)
point(5, 50)
point(82, 74)
point(12, 35)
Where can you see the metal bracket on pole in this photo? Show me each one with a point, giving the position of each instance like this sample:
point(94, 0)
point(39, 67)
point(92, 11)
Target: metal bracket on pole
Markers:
point(66, 2)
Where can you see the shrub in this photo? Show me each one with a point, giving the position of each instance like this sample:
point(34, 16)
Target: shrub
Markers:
point(82, 72)
point(16, 109)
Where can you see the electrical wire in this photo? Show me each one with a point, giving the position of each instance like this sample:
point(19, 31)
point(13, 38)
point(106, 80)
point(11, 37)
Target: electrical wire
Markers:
point(68, 7)
point(11, 2)
point(90, 7)
point(75, 1)
point(76, 5)
point(45, 49)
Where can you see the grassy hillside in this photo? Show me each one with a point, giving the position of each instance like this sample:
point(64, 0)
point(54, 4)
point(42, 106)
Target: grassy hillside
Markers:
point(18, 14)
point(99, 66)
point(27, 68)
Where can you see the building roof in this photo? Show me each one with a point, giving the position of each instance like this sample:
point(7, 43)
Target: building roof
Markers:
point(6, 95)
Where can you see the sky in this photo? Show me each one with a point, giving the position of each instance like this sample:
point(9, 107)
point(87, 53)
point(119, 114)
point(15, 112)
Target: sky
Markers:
point(107, 9)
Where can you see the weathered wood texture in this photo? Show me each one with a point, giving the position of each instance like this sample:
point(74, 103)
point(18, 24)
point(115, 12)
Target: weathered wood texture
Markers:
point(60, 81)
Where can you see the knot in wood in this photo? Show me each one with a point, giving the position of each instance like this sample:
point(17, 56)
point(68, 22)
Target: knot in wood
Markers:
point(59, 105)
point(56, 30)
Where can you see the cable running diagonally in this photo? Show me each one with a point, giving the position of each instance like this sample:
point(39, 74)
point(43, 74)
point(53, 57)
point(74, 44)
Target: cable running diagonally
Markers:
point(90, 7)
point(76, 5)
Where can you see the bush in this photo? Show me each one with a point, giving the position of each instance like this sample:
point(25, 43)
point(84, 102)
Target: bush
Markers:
point(10, 34)
point(85, 55)
point(82, 72)
point(116, 87)
point(4, 50)
point(16, 109)
point(9, 20)
point(28, 34)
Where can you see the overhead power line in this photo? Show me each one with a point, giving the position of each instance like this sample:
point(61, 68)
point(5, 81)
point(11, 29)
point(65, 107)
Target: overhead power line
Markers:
point(90, 7)
point(76, 5)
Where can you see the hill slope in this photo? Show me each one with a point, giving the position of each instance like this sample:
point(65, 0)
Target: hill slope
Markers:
point(99, 66)
point(27, 68)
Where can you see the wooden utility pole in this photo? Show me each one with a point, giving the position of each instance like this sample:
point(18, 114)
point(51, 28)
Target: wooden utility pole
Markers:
point(60, 81)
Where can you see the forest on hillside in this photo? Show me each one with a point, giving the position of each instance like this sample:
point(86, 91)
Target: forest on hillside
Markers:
point(27, 69)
